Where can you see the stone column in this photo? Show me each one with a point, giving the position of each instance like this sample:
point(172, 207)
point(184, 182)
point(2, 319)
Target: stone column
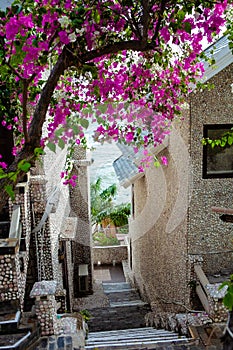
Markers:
point(80, 208)
point(46, 306)
point(40, 254)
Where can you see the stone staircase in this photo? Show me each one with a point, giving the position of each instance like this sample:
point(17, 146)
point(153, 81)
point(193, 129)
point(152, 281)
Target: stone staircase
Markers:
point(137, 338)
point(125, 310)
point(14, 333)
point(121, 325)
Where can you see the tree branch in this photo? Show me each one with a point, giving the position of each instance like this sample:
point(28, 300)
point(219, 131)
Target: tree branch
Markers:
point(145, 19)
point(35, 132)
point(25, 99)
point(134, 45)
point(160, 17)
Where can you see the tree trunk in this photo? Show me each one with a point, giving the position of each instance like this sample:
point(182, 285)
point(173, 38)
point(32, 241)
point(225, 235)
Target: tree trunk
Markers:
point(228, 336)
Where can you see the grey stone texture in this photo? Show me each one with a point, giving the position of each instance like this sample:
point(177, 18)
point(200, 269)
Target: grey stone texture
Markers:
point(172, 225)
point(109, 255)
point(80, 208)
point(208, 235)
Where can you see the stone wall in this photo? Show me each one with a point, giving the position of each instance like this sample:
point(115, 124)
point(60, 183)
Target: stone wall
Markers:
point(22, 198)
point(207, 234)
point(8, 278)
point(40, 265)
point(80, 208)
point(42, 237)
point(13, 266)
point(174, 225)
point(158, 231)
point(108, 255)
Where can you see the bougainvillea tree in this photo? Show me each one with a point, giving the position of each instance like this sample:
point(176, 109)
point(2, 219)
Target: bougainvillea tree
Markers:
point(126, 65)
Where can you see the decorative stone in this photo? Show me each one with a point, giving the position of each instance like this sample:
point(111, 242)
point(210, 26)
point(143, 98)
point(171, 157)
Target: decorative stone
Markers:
point(43, 288)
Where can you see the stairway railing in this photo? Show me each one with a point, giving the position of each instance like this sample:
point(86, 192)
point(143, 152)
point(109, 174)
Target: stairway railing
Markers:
point(201, 290)
point(210, 296)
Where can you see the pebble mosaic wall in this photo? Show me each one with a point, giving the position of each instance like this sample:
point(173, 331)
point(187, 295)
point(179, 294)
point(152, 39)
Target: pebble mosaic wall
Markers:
point(46, 306)
point(8, 278)
point(80, 208)
point(109, 255)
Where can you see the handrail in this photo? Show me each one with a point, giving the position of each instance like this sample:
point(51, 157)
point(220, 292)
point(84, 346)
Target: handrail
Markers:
point(201, 289)
point(200, 274)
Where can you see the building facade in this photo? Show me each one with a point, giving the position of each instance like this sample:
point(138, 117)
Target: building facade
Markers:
point(172, 225)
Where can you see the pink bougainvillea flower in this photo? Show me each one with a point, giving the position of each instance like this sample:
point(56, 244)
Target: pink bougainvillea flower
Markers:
point(164, 160)
point(3, 165)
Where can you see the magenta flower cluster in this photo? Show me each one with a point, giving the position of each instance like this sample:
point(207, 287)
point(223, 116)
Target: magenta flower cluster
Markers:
point(133, 95)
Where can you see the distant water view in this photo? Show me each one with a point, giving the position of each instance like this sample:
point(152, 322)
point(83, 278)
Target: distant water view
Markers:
point(104, 156)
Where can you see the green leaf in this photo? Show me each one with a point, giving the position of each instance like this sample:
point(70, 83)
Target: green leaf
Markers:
point(96, 16)
point(102, 108)
point(204, 142)
point(76, 22)
point(223, 143)
point(51, 146)
point(230, 140)
point(38, 151)
point(226, 283)
point(12, 176)
point(61, 144)
point(3, 176)
point(59, 132)
point(75, 129)
point(228, 301)
point(10, 192)
point(35, 42)
point(97, 91)
point(84, 123)
point(187, 27)
point(25, 167)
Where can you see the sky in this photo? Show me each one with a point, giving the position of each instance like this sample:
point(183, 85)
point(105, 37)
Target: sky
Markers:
point(5, 3)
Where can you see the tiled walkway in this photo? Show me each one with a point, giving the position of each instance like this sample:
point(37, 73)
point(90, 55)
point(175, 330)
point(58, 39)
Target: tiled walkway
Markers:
point(109, 273)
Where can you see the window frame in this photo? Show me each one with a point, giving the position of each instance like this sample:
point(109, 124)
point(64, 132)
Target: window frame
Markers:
point(218, 174)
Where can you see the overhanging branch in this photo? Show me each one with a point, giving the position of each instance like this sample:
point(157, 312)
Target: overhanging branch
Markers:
point(134, 45)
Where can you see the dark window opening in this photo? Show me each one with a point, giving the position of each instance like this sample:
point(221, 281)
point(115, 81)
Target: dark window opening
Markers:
point(21, 264)
point(6, 144)
point(218, 160)
point(83, 283)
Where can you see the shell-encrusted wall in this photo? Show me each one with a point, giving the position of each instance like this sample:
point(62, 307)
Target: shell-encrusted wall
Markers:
point(8, 278)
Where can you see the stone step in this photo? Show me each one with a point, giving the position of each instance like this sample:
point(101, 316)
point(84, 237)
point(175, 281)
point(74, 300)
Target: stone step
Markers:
point(108, 325)
point(122, 332)
point(146, 332)
point(130, 293)
point(133, 339)
point(15, 341)
point(116, 287)
point(128, 303)
point(119, 317)
point(125, 295)
point(114, 290)
point(125, 310)
point(9, 322)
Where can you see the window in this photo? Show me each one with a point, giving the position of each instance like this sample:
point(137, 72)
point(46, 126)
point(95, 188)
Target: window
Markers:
point(83, 277)
point(217, 161)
